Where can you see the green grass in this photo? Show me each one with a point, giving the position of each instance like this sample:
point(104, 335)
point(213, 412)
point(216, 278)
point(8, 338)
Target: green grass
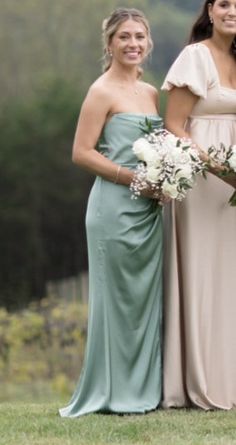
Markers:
point(39, 424)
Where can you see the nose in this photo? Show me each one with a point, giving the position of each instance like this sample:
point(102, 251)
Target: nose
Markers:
point(133, 41)
point(232, 10)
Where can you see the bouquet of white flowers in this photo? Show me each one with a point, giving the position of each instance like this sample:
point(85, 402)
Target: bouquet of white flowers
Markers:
point(168, 165)
point(225, 157)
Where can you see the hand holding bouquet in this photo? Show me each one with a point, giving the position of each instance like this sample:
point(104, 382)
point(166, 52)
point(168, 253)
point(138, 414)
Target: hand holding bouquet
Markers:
point(168, 165)
point(226, 158)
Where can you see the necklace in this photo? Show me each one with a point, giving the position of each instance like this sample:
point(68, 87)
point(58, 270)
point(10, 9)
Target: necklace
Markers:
point(130, 89)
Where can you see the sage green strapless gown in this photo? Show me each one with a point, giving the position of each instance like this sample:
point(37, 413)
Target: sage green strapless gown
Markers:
point(122, 370)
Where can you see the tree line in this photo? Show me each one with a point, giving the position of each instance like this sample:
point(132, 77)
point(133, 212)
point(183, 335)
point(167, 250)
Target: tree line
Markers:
point(43, 196)
point(53, 53)
point(41, 39)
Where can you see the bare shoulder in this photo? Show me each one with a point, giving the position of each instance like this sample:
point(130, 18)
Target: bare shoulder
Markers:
point(149, 89)
point(151, 93)
point(98, 97)
point(148, 86)
point(99, 90)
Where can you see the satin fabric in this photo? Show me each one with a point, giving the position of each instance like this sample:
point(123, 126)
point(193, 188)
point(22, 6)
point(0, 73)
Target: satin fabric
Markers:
point(122, 371)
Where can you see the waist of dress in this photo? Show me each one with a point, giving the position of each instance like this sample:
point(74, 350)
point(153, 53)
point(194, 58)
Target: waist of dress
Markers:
point(226, 116)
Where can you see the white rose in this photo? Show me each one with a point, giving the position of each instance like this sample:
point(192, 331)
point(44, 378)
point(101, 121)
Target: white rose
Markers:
point(184, 172)
point(140, 147)
point(170, 189)
point(152, 174)
point(170, 140)
point(232, 159)
point(176, 154)
point(152, 158)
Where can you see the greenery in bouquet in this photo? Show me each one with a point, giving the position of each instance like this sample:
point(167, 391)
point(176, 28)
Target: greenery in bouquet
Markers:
point(225, 157)
point(167, 164)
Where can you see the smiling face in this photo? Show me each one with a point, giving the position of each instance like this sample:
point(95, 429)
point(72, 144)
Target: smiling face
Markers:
point(129, 45)
point(223, 15)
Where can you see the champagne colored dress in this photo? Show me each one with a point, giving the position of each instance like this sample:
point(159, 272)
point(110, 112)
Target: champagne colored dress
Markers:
point(200, 265)
point(122, 368)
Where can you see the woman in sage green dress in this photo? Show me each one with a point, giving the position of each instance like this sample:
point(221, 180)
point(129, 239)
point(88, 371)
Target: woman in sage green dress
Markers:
point(122, 366)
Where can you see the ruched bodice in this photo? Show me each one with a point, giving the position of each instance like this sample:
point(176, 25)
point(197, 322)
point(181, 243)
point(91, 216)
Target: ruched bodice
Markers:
point(119, 133)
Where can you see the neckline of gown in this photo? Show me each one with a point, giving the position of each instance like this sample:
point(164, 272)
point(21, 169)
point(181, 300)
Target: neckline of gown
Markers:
point(217, 74)
point(120, 114)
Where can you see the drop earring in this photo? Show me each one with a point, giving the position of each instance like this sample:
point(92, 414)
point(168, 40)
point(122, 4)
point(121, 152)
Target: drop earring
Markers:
point(211, 20)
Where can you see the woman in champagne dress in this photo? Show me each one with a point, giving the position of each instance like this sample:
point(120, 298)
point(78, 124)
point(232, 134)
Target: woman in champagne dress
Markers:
point(122, 367)
point(200, 285)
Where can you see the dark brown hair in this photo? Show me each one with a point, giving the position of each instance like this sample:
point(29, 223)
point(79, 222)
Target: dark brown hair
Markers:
point(202, 28)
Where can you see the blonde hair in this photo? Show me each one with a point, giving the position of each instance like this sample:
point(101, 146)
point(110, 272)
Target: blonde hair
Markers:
point(112, 23)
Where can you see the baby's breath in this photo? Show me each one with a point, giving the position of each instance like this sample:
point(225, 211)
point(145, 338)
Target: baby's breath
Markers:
point(167, 165)
point(225, 157)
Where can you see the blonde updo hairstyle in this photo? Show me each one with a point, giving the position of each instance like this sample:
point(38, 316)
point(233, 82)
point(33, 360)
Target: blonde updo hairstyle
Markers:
point(110, 26)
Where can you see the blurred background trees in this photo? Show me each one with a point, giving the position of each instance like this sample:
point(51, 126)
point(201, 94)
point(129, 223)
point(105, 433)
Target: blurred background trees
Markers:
point(50, 53)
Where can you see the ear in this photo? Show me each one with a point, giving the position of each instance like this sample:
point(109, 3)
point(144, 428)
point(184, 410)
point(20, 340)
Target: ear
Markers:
point(210, 6)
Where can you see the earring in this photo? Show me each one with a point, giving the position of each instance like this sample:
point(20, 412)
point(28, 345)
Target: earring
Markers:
point(211, 20)
point(110, 53)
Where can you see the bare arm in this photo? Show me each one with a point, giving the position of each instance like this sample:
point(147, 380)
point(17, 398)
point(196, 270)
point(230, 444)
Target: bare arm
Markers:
point(179, 107)
point(93, 116)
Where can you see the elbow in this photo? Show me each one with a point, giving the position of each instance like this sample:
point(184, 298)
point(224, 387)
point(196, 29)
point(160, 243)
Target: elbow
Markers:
point(170, 125)
point(81, 159)
point(174, 126)
point(77, 158)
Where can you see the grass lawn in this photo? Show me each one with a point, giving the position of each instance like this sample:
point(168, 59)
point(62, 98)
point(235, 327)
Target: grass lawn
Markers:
point(39, 424)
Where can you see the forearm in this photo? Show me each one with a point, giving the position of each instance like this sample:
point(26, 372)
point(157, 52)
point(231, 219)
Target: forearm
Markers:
point(96, 163)
point(177, 129)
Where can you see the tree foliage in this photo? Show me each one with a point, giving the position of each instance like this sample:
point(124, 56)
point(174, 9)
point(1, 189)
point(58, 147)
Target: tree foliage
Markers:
point(50, 53)
point(43, 195)
point(63, 38)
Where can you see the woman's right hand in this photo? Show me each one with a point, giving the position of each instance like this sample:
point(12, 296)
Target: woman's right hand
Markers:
point(153, 194)
point(222, 173)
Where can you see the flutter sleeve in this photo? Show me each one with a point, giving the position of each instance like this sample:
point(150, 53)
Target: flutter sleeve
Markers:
point(193, 69)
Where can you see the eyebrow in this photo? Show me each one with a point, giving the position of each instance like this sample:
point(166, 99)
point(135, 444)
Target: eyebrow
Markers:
point(128, 32)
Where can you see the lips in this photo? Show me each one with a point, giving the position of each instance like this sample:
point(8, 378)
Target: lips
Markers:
point(132, 54)
point(230, 22)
